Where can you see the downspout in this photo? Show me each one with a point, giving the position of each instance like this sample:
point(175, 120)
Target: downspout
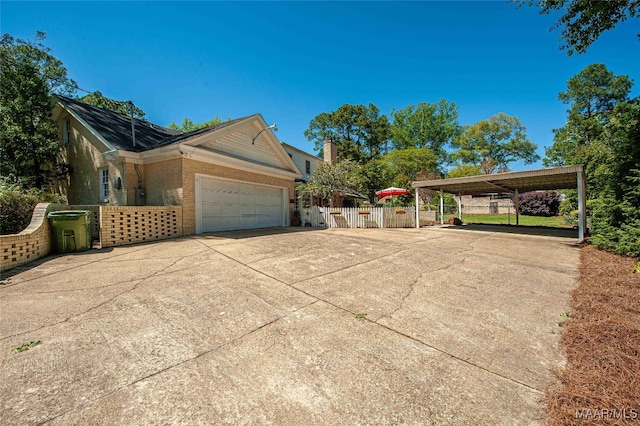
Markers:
point(135, 166)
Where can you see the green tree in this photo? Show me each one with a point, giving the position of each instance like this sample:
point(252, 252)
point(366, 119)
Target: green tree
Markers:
point(121, 107)
point(426, 125)
point(494, 143)
point(616, 218)
point(360, 132)
point(399, 167)
point(595, 90)
point(374, 175)
point(329, 179)
point(592, 96)
point(405, 165)
point(189, 126)
point(30, 145)
point(464, 170)
point(603, 134)
point(583, 21)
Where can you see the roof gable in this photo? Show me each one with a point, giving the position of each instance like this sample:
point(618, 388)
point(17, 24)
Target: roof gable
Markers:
point(244, 139)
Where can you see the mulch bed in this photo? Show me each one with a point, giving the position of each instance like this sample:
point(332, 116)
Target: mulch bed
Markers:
point(600, 384)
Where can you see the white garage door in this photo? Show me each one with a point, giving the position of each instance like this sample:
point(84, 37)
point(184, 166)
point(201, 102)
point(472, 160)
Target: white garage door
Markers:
point(226, 205)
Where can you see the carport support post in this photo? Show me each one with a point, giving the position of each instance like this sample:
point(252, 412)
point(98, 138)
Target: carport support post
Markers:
point(417, 208)
point(582, 206)
point(460, 206)
point(441, 207)
point(517, 202)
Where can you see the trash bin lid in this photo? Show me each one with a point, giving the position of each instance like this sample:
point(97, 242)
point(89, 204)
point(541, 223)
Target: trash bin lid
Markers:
point(68, 214)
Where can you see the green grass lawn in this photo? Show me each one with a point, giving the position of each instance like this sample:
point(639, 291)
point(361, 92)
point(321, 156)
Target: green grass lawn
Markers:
point(503, 219)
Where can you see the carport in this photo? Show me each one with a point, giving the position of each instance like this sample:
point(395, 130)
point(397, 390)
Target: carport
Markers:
point(567, 177)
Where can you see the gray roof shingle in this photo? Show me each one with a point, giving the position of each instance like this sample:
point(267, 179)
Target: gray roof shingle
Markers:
point(116, 128)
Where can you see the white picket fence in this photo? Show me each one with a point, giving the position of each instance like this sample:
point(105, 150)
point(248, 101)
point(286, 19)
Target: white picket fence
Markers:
point(354, 217)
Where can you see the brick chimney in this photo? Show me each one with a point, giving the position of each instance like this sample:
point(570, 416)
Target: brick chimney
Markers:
point(330, 152)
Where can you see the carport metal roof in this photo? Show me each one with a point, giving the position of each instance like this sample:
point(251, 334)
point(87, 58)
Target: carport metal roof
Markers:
point(567, 177)
point(502, 183)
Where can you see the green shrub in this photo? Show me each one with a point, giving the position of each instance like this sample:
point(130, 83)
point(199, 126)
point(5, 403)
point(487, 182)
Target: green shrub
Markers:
point(616, 220)
point(569, 211)
point(571, 217)
point(617, 228)
point(16, 206)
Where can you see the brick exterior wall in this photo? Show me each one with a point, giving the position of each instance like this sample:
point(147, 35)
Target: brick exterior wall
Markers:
point(87, 159)
point(164, 181)
point(191, 167)
point(130, 182)
point(130, 224)
point(31, 244)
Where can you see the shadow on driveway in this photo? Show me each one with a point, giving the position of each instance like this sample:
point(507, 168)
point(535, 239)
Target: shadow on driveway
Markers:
point(544, 231)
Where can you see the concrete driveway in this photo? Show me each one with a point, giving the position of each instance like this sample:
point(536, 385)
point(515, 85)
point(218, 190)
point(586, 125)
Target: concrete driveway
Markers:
point(289, 326)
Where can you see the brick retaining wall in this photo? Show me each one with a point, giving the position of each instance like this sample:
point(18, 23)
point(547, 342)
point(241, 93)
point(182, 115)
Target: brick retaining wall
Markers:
point(111, 225)
point(31, 244)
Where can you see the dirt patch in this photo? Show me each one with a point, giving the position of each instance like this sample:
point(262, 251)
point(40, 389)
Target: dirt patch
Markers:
point(600, 383)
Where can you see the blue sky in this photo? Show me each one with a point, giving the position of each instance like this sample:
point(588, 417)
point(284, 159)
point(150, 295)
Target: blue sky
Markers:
point(292, 61)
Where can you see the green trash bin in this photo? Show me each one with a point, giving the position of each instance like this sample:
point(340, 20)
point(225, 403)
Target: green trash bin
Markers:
point(70, 231)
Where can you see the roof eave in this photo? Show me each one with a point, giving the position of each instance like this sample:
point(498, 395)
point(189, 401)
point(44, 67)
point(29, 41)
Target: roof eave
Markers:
point(199, 154)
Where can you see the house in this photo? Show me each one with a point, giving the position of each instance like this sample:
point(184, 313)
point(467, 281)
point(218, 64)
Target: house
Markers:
point(307, 163)
point(235, 175)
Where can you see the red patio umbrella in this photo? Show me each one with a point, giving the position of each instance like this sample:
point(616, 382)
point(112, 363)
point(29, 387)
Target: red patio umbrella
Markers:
point(390, 192)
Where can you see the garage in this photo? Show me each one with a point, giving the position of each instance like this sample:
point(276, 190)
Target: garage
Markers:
point(226, 205)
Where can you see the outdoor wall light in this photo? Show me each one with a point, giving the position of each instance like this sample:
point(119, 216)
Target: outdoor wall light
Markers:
point(274, 126)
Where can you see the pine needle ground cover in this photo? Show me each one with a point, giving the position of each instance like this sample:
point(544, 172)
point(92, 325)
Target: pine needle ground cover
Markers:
point(600, 384)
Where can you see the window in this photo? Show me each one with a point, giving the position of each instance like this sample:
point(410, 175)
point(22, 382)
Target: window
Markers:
point(104, 184)
point(307, 166)
point(67, 131)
